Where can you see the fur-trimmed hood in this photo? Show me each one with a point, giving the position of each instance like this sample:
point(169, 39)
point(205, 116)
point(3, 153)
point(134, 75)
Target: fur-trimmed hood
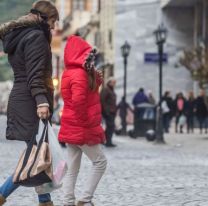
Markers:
point(11, 33)
point(24, 21)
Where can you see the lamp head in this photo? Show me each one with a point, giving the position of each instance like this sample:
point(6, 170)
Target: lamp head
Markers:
point(125, 49)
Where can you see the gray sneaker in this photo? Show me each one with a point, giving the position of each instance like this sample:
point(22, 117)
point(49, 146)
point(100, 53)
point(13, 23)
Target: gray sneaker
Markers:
point(80, 203)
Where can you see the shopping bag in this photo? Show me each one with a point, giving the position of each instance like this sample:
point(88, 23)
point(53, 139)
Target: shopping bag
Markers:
point(35, 165)
point(59, 165)
point(118, 125)
point(182, 120)
point(164, 106)
point(130, 117)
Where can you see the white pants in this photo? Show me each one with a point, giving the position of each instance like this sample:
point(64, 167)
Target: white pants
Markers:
point(99, 162)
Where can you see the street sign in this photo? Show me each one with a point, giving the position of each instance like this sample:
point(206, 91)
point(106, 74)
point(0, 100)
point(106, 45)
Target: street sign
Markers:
point(154, 58)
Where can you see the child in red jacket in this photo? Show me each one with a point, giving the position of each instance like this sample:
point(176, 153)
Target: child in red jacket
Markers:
point(81, 126)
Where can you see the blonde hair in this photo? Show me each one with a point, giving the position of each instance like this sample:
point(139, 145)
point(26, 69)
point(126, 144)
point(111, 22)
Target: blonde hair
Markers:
point(47, 8)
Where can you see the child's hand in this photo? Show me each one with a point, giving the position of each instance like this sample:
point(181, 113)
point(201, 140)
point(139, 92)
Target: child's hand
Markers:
point(100, 74)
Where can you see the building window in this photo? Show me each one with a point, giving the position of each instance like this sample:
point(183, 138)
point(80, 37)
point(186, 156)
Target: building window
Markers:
point(110, 37)
point(71, 6)
point(88, 4)
point(97, 39)
point(78, 5)
point(99, 6)
point(111, 71)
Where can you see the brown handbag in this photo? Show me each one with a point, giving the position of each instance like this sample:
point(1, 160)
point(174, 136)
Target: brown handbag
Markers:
point(35, 165)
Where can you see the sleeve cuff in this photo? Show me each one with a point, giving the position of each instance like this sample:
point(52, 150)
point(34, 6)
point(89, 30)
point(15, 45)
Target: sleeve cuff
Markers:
point(43, 105)
point(41, 99)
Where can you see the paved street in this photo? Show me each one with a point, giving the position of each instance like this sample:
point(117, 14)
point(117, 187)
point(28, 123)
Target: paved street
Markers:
point(139, 173)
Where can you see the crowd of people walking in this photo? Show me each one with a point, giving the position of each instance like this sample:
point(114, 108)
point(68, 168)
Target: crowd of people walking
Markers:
point(187, 110)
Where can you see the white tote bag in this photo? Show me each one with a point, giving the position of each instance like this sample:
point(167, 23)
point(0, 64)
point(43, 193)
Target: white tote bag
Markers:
point(59, 164)
point(182, 120)
point(165, 108)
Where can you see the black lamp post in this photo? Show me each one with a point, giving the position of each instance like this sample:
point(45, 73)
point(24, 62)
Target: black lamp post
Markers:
point(125, 50)
point(161, 36)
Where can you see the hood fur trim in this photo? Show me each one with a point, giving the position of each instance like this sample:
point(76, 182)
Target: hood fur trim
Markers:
point(24, 21)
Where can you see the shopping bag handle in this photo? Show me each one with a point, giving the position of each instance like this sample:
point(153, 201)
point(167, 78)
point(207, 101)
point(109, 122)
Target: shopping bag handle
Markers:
point(29, 148)
point(44, 138)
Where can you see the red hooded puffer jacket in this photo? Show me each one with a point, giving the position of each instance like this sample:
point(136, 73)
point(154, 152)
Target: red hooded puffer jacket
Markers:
point(81, 118)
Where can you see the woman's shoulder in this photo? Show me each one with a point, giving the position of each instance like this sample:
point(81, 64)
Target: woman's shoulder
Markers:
point(22, 22)
point(34, 34)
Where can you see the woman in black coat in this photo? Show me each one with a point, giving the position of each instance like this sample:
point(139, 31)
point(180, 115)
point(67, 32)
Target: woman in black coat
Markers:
point(201, 111)
point(27, 43)
point(168, 110)
point(190, 112)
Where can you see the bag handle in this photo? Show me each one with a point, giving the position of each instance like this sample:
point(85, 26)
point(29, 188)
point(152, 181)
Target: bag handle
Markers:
point(29, 149)
point(44, 137)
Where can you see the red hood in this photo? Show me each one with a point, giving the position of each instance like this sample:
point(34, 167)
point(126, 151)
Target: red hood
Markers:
point(76, 52)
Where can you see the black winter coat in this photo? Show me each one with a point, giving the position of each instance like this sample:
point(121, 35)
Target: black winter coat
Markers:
point(29, 54)
point(190, 107)
point(201, 108)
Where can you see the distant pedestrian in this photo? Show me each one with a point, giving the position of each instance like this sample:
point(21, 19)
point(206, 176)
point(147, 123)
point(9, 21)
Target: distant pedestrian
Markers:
point(189, 111)
point(124, 109)
point(81, 126)
point(201, 111)
point(27, 42)
point(167, 110)
point(180, 112)
point(151, 98)
point(109, 108)
point(140, 97)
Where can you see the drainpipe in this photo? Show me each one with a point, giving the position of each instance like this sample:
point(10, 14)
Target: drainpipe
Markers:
point(204, 20)
point(204, 36)
point(195, 40)
point(196, 24)
point(62, 13)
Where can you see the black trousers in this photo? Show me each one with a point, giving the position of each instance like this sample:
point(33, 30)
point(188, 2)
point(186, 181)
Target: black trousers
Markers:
point(202, 123)
point(110, 127)
point(166, 122)
point(190, 123)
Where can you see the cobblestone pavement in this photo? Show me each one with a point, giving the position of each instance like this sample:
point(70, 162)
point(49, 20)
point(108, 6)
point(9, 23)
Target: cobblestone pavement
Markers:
point(139, 173)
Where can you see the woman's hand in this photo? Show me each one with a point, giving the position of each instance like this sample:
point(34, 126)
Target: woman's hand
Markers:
point(43, 112)
point(100, 74)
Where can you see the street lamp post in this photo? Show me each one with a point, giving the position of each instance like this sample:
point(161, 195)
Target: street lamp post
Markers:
point(125, 50)
point(161, 36)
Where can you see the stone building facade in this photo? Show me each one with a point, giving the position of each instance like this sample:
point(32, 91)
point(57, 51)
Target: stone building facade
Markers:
point(136, 21)
point(197, 10)
point(94, 20)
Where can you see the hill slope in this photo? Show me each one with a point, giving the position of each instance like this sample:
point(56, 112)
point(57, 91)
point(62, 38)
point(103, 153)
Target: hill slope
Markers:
point(11, 9)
